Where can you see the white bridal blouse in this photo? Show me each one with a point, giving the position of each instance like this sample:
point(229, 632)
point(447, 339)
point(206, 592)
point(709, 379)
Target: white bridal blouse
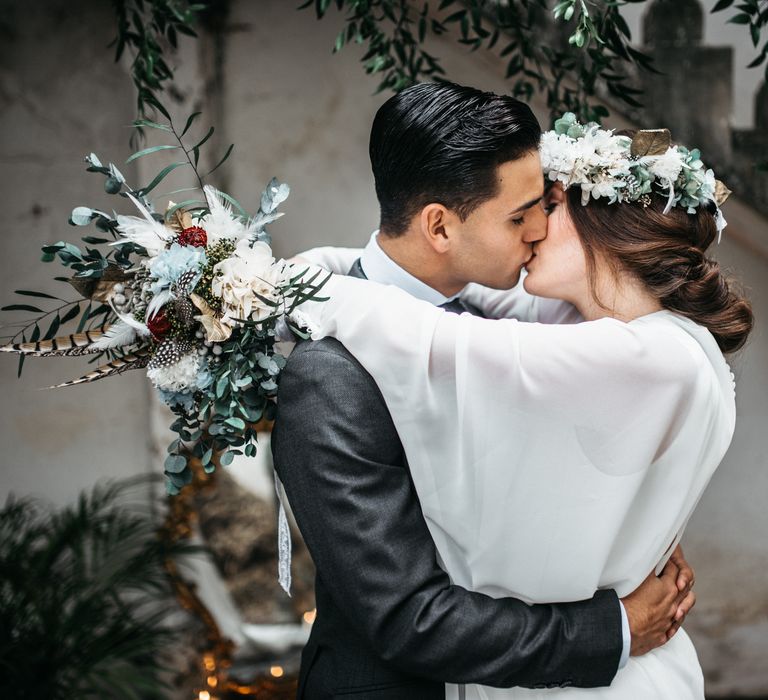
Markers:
point(550, 460)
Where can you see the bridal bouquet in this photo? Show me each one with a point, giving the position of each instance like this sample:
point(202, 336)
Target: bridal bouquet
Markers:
point(193, 295)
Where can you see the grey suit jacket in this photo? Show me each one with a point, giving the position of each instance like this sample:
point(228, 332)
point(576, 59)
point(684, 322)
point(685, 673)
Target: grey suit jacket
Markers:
point(390, 625)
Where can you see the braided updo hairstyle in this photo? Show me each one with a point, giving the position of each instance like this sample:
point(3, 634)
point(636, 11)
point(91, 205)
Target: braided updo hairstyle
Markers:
point(666, 252)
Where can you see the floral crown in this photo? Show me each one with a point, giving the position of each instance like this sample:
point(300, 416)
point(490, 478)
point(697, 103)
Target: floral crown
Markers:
point(625, 169)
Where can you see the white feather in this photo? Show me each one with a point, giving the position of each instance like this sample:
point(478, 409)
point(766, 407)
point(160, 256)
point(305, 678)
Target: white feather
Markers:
point(118, 335)
point(140, 328)
point(220, 223)
point(144, 231)
point(158, 301)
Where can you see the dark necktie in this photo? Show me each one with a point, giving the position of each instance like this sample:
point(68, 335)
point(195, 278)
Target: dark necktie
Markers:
point(454, 306)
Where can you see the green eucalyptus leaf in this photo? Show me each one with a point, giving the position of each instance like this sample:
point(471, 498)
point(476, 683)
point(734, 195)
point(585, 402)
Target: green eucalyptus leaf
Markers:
point(151, 149)
point(161, 176)
point(81, 216)
point(112, 185)
point(175, 464)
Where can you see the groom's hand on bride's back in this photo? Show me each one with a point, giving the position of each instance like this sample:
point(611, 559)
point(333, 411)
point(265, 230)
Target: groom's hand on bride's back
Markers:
point(659, 606)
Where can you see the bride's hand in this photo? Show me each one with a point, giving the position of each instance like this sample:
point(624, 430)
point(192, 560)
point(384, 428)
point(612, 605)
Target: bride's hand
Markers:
point(652, 610)
point(685, 581)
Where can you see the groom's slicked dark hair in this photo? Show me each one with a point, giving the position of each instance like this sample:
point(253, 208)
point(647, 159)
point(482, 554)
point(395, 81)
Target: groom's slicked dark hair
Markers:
point(441, 142)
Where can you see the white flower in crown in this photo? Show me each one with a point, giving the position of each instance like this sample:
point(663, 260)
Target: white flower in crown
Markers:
point(250, 273)
point(558, 156)
point(179, 376)
point(667, 167)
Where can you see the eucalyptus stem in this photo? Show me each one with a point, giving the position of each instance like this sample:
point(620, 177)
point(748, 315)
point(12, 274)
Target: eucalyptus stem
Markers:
point(186, 154)
point(40, 318)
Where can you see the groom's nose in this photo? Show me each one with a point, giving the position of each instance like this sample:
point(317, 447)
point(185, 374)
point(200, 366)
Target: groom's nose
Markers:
point(537, 231)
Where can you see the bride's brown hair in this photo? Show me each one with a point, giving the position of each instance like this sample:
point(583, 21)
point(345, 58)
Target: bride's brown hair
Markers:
point(666, 252)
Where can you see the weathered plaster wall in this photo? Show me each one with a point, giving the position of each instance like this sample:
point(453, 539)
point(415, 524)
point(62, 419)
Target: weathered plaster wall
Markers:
point(61, 96)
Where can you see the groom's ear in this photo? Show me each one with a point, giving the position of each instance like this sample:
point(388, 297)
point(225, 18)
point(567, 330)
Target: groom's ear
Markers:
point(436, 223)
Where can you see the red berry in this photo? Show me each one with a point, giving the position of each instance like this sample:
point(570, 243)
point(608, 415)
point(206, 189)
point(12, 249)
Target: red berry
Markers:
point(159, 325)
point(195, 236)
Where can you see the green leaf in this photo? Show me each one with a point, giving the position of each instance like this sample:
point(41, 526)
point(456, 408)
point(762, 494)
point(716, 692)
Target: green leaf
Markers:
point(187, 203)
point(204, 139)
point(21, 307)
point(71, 313)
point(81, 216)
point(722, 5)
point(226, 458)
point(151, 149)
point(39, 295)
point(739, 19)
point(237, 423)
point(175, 464)
point(190, 121)
point(339, 43)
point(221, 162)
point(161, 176)
point(84, 318)
point(152, 125)
point(53, 328)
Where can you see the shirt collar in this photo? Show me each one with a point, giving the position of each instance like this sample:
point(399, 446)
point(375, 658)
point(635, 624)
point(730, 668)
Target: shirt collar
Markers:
point(379, 267)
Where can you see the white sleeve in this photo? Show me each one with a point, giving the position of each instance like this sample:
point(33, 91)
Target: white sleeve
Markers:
point(585, 374)
point(519, 304)
point(333, 259)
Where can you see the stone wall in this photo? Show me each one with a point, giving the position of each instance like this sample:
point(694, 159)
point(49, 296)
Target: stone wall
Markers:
point(61, 96)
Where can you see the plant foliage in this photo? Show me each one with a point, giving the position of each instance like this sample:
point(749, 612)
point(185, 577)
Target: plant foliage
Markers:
point(593, 59)
point(85, 602)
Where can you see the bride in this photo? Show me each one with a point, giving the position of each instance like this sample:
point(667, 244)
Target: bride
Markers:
point(582, 448)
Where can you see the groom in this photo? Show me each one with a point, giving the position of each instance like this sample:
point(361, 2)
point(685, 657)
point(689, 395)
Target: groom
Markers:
point(459, 185)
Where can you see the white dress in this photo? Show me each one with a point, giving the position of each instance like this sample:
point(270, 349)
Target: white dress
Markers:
point(550, 460)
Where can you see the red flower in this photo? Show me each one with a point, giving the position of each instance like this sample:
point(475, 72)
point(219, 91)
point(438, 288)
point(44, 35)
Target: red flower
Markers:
point(159, 325)
point(194, 235)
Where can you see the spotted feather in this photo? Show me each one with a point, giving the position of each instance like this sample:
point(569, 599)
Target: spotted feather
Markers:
point(169, 352)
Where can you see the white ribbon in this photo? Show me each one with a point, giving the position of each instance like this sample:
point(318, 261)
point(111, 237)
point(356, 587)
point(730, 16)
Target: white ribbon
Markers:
point(721, 223)
point(283, 540)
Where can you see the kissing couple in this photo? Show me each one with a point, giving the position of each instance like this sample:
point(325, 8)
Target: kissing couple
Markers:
point(493, 477)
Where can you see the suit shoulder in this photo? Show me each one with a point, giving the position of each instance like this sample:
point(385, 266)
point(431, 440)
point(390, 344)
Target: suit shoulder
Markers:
point(327, 354)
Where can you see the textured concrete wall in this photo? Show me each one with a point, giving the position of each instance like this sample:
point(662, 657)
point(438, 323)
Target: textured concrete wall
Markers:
point(60, 97)
point(719, 32)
